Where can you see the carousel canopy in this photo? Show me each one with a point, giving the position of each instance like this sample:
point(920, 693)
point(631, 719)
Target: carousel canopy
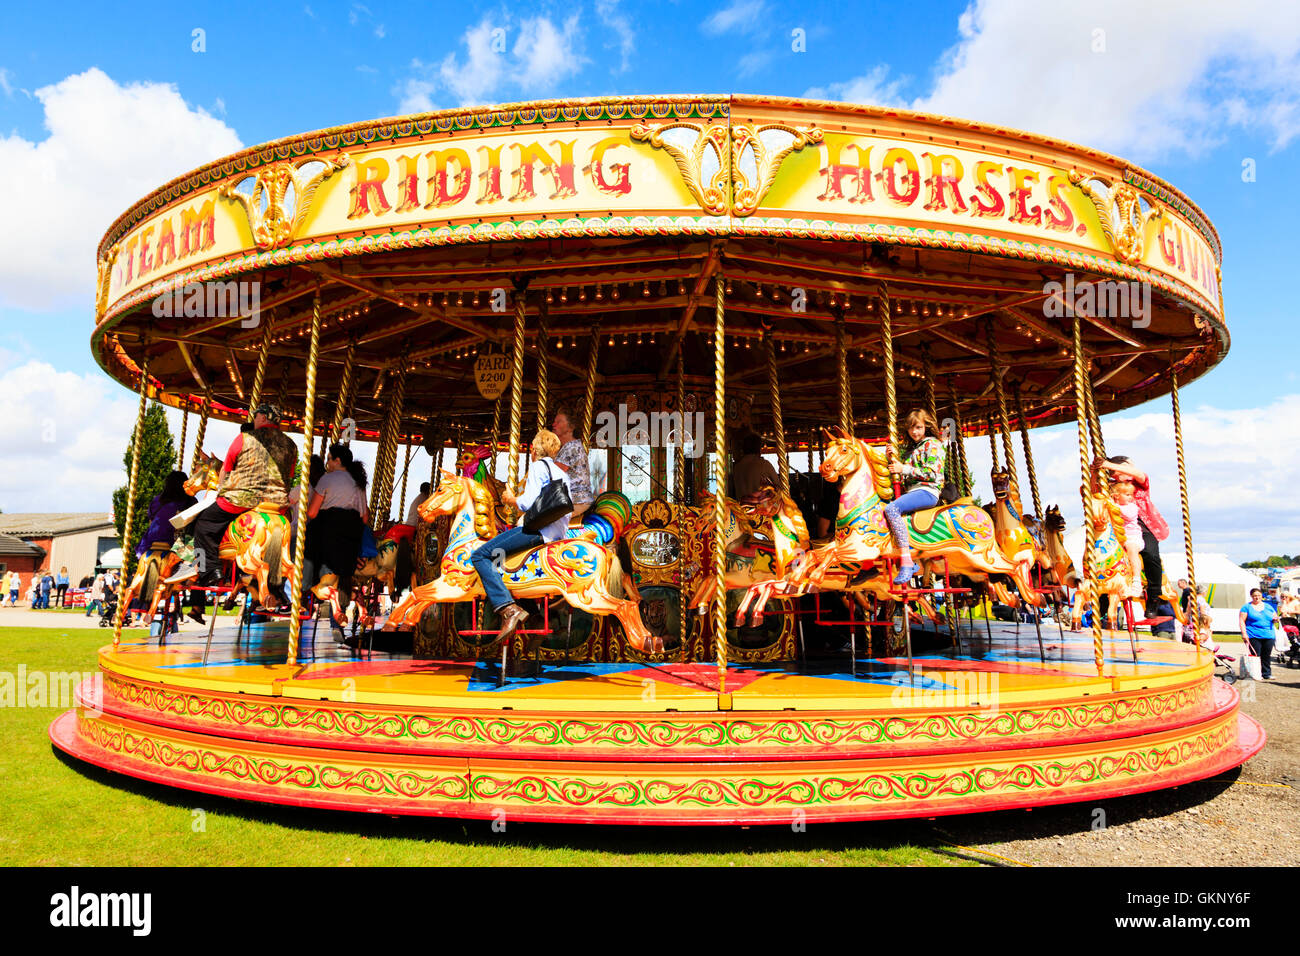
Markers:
point(614, 219)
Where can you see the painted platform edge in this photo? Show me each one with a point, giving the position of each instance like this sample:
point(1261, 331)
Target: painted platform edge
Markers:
point(663, 794)
point(655, 737)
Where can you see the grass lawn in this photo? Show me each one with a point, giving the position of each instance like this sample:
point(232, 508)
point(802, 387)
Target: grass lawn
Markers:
point(59, 812)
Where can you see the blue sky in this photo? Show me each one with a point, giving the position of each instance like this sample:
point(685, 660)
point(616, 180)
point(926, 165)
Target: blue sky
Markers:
point(99, 103)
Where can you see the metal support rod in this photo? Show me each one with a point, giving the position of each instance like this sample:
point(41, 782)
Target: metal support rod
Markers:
point(1029, 454)
point(542, 420)
point(202, 429)
point(1193, 601)
point(778, 425)
point(589, 397)
point(517, 387)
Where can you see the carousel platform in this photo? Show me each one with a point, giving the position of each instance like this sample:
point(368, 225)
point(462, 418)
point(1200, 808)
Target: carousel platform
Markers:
point(994, 727)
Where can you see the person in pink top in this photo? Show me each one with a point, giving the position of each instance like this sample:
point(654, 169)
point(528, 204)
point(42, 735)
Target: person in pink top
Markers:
point(1150, 524)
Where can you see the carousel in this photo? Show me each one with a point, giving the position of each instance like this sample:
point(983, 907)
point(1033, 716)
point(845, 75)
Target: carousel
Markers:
point(684, 281)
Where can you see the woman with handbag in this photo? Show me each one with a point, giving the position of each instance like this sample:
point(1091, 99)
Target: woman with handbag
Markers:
point(545, 504)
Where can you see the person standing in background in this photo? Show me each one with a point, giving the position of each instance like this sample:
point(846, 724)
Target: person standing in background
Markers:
point(61, 586)
point(1258, 621)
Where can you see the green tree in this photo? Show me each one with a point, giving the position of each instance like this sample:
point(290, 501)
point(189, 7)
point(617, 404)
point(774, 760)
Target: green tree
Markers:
point(157, 460)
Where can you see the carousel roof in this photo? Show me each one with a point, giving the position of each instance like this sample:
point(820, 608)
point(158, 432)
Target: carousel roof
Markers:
point(614, 219)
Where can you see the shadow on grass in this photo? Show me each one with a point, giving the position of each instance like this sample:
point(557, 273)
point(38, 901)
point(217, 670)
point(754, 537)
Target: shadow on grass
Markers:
point(954, 837)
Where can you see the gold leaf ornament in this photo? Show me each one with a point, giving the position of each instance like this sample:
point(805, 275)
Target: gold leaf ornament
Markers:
point(266, 205)
point(713, 198)
point(747, 196)
point(1119, 207)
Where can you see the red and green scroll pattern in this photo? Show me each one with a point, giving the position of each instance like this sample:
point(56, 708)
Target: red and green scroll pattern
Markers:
point(630, 734)
point(753, 788)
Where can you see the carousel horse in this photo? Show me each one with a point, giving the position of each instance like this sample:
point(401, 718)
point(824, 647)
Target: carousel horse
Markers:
point(1062, 573)
point(764, 515)
point(1014, 539)
point(589, 576)
point(255, 541)
point(960, 532)
point(162, 561)
point(1111, 574)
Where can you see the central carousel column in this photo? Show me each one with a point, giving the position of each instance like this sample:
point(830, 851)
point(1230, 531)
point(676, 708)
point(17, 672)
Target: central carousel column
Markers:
point(589, 397)
point(304, 468)
point(719, 496)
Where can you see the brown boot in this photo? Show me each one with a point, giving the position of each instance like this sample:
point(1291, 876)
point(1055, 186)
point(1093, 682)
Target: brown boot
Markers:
point(511, 616)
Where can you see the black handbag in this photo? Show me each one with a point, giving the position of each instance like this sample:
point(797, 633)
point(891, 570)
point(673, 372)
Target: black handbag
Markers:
point(552, 504)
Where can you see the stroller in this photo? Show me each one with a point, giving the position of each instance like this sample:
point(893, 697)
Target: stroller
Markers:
point(1287, 649)
point(107, 612)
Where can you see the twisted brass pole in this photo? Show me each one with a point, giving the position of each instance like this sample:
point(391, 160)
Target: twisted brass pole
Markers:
point(136, 437)
point(1029, 454)
point(891, 398)
point(720, 488)
point(406, 470)
point(263, 357)
point(346, 385)
point(993, 440)
point(517, 390)
point(1094, 420)
point(304, 478)
point(185, 422)
point(679, 497)
point(773, 388)
point(928, 367)
point(542, 421)
point(842, 376)
point(202, 429)
point(393, 428)
point(1087, 586)
point(1193, 601)
point(589, 397)
point(1004, 424)
point(962, 467)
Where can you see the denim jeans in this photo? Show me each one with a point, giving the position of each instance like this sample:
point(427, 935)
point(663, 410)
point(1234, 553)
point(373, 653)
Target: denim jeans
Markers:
point(917, 499)
point(506, 543)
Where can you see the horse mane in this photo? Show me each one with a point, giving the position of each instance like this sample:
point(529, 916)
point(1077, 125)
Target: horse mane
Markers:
point(484, 503)
point(878, 465)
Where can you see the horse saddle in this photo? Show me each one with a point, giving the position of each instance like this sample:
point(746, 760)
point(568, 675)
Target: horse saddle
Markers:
point(923, 521)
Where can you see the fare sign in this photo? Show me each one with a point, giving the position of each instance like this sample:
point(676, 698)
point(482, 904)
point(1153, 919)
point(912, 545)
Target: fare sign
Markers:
point(492, 372)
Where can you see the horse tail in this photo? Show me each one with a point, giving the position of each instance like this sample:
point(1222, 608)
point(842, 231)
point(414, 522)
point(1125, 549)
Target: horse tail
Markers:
point(273, 553)
point(149, 581)
point(608, 516)
point(618, 580)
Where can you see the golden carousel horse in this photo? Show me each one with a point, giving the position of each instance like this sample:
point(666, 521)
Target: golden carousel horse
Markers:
point(1063, 574)
point(1014, 539)
point(255, 541)
point(960, 532)
point(162, 561)
point(765, 515)
point(1111, 574)
point(589, 576)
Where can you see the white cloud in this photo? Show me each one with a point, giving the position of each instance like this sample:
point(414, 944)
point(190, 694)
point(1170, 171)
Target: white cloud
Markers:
point(543, 54)
point(741, 16)
point(1140, 79)
point(380, 32)
point(546, 54)
point(873, 88)
point(5, 84)
point(108, 145)
point(1241, 471)
point(484, 70)
point(612, 17)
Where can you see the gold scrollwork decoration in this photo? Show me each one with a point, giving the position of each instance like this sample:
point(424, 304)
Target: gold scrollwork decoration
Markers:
point(104, 277)
point(715, 197)
point(746, 196)
point(1119, 207)
point(266, 205)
